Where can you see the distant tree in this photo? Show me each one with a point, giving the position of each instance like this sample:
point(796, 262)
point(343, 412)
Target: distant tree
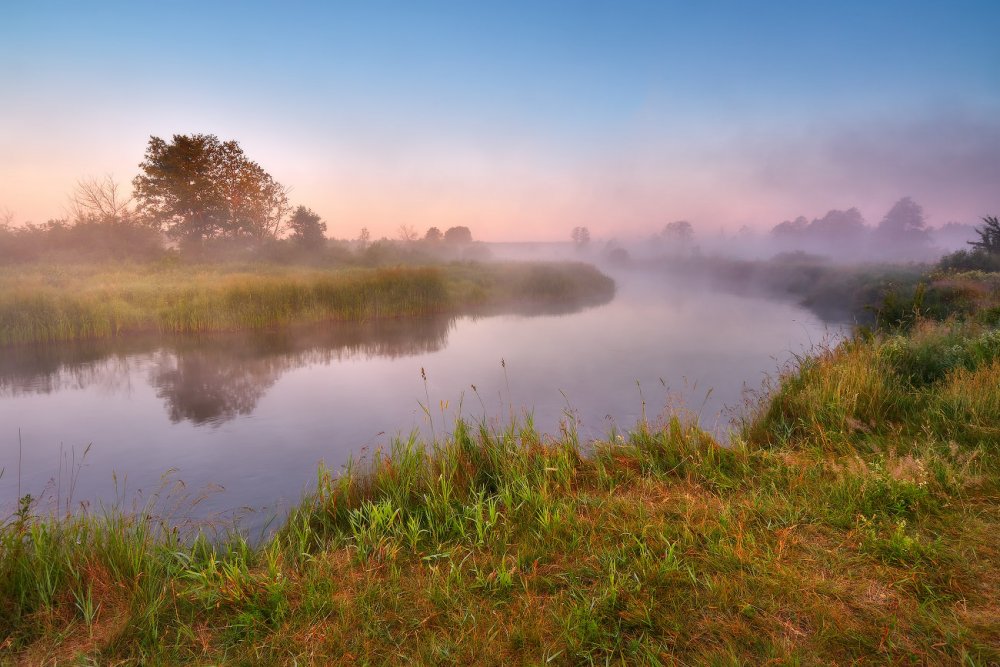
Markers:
point(838, 233)
point(678, 237)
point(197, 187)
point(580, 236)
point(307, 229)
point(364, 238)
point(989, 236)
point(790, 228)
point(678, 233)
point(459, 234)
point(101, 200)
point(407, 233)
point(839, 226)
point(433, 234)
point(615, 254)
point(6, 219)
point(903, 230)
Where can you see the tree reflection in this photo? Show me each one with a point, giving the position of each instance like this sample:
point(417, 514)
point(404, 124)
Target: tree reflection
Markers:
point(201, 386)
point(214, 378)
point(211, 379)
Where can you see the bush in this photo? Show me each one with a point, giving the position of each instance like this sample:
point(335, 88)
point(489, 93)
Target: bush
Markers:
point(970, 260)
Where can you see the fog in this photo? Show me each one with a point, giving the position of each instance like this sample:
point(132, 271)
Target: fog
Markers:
point(255, 413)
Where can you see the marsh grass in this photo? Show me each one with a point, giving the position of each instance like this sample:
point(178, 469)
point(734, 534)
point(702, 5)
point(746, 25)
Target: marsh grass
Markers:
point(44, 303)
point(852, 518)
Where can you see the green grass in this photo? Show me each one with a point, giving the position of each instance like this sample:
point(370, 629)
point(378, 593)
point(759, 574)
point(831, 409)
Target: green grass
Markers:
point(43, 303)
point(853, 517)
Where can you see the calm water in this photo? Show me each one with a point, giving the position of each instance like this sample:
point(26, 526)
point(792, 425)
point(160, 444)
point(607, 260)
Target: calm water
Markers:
point(255, 414)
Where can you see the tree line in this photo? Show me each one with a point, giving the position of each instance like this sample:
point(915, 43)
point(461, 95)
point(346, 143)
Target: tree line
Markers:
point(192, 191)
point(902, 233)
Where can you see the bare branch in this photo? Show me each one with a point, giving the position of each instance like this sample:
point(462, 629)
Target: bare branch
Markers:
point(407, 233)
point(101, 200)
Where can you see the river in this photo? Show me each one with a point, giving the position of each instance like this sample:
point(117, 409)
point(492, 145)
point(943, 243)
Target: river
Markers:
point(232, 425)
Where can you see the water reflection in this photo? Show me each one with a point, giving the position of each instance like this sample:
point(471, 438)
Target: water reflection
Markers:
point(256, 413)
point(211, 379)
point(215, 380)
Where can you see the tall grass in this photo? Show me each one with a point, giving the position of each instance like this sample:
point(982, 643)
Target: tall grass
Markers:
point(44, 304)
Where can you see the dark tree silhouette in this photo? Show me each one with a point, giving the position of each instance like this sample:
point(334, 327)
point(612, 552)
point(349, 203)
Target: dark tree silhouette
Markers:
point(580, 236)
point(458, 234)
point(989, 236)
point(307, 229)
point(433, 234)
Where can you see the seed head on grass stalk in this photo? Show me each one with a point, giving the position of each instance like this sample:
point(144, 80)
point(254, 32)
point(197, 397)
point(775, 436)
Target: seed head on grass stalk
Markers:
point(426, 406)
point(510, 402)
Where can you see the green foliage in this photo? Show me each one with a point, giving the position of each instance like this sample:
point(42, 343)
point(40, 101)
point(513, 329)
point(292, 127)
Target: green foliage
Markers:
point(931, 354)
point(307, 230)
point(197, 187)
point(974, 260)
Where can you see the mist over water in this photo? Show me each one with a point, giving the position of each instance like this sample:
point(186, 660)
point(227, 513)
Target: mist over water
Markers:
point(255, 414)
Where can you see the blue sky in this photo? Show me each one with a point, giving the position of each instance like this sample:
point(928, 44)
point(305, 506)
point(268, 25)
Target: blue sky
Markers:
point(520, 119)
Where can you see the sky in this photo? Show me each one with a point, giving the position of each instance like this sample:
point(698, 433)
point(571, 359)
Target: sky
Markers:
point(520, 120)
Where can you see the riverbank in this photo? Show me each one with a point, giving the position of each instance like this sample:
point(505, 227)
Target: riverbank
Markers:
point(853, 517)
point(45, 303)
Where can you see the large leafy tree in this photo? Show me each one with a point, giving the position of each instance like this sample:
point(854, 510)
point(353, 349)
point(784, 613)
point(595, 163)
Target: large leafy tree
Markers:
point(197, 187)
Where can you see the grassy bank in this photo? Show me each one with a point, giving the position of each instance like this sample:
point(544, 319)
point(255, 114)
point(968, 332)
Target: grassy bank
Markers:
point(41, 303)
point(834, 291)
point(854, 517)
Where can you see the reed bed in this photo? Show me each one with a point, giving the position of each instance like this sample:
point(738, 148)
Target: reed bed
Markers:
point(58, 303)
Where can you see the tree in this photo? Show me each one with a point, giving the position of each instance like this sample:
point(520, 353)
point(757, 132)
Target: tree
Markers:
point(433, 234)
point(458, 234)
point(989, 236)
point(580, 236)
point(903, 230)
point(791, 228)
point(101, 200)
point(407, 233)
point(364, 238)
point(307, 229)
point(679, 233)
point(839, 226)
point(197, 187)
point(6, 219)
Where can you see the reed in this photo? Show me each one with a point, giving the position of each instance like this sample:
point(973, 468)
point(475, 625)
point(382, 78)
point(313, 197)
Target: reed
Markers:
point(50, 303)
